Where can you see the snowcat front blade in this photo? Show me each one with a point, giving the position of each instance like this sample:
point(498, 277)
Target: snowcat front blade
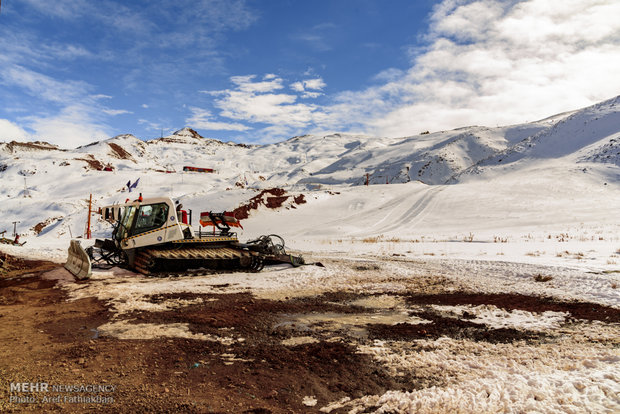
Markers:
point(78, 262)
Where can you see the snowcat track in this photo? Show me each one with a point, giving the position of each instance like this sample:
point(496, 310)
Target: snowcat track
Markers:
point(196, 261)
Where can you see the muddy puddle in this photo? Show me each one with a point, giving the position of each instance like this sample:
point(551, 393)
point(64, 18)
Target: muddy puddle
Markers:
point(398, 317)
point(353, 325)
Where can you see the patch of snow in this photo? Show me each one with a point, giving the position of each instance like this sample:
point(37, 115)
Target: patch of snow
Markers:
point(126, 330)
point(495, 317)
point(309, 401)
point(299, 340)
point(481, 377)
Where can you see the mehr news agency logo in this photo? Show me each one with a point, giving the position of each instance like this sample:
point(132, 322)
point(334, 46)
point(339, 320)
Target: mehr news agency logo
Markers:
point(30, 393)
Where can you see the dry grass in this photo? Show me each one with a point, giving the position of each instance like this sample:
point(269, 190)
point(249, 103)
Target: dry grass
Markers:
point(382, 238)
point(534, 254)
point(374, 239)
point(567, 254)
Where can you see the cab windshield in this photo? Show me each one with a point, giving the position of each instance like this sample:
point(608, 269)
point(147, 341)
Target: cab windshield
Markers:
point(125, 222)
point(151, 217)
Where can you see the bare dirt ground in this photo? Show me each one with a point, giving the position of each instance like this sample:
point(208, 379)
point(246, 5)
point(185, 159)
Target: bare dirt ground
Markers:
point(296, 354)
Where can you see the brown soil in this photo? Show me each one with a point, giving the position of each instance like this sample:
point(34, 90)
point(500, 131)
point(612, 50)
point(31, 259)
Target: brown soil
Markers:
point(450, 327)
point(38, 228)
point(275, 202)
point(37, 145)
point(243, 211)
point(92, 163)
point(46, 338)
point(119, 152)
point(11, 267)
point(578, 310)
point(272, 198)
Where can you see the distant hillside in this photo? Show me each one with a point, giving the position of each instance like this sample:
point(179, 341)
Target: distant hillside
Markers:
point(42, 183)
point(591, 135)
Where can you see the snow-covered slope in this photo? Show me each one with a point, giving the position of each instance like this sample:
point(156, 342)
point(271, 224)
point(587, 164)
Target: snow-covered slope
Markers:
point(432, 158)
point(553, 175)
point(591, 135)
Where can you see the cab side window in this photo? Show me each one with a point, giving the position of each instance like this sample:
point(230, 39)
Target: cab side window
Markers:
point(151, 217)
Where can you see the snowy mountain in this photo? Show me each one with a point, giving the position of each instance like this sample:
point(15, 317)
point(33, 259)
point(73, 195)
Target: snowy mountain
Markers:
point(552, 173)
point(587, 136)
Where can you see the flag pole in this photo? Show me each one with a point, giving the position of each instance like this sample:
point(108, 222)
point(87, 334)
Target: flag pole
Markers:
point(90, 209)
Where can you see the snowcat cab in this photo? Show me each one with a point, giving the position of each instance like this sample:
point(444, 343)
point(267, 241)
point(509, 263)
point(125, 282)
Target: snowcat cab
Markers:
point(153, 236)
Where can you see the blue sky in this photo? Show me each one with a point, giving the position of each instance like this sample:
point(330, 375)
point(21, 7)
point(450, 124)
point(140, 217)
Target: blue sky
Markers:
point(258, 71)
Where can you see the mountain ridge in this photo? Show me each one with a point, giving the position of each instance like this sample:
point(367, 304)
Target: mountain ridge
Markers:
point(42, 181)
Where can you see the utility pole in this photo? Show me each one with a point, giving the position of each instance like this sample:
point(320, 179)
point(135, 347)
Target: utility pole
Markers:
point(90, 209)
point(15, 223)
point(25, 188)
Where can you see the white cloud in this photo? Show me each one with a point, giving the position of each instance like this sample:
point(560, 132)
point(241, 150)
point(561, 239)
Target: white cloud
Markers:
point(200, 119)
point(255, 102)
point(66, 9)
point(315, 85)
point(114, 112)
point(71, 127)
point(212, 15)
point(247, 84)
point(317, 42)
point(72, 116)
point(152, 126)
point(64, 109)
point(496, 62)
point(68, 51)
point(318, 37)
point(9, 132)
point(262, 102)
point(44, 86)
point(389, 75)
point(485, 62)
point(298, 86)
point(311, 94)
point(265, 108)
